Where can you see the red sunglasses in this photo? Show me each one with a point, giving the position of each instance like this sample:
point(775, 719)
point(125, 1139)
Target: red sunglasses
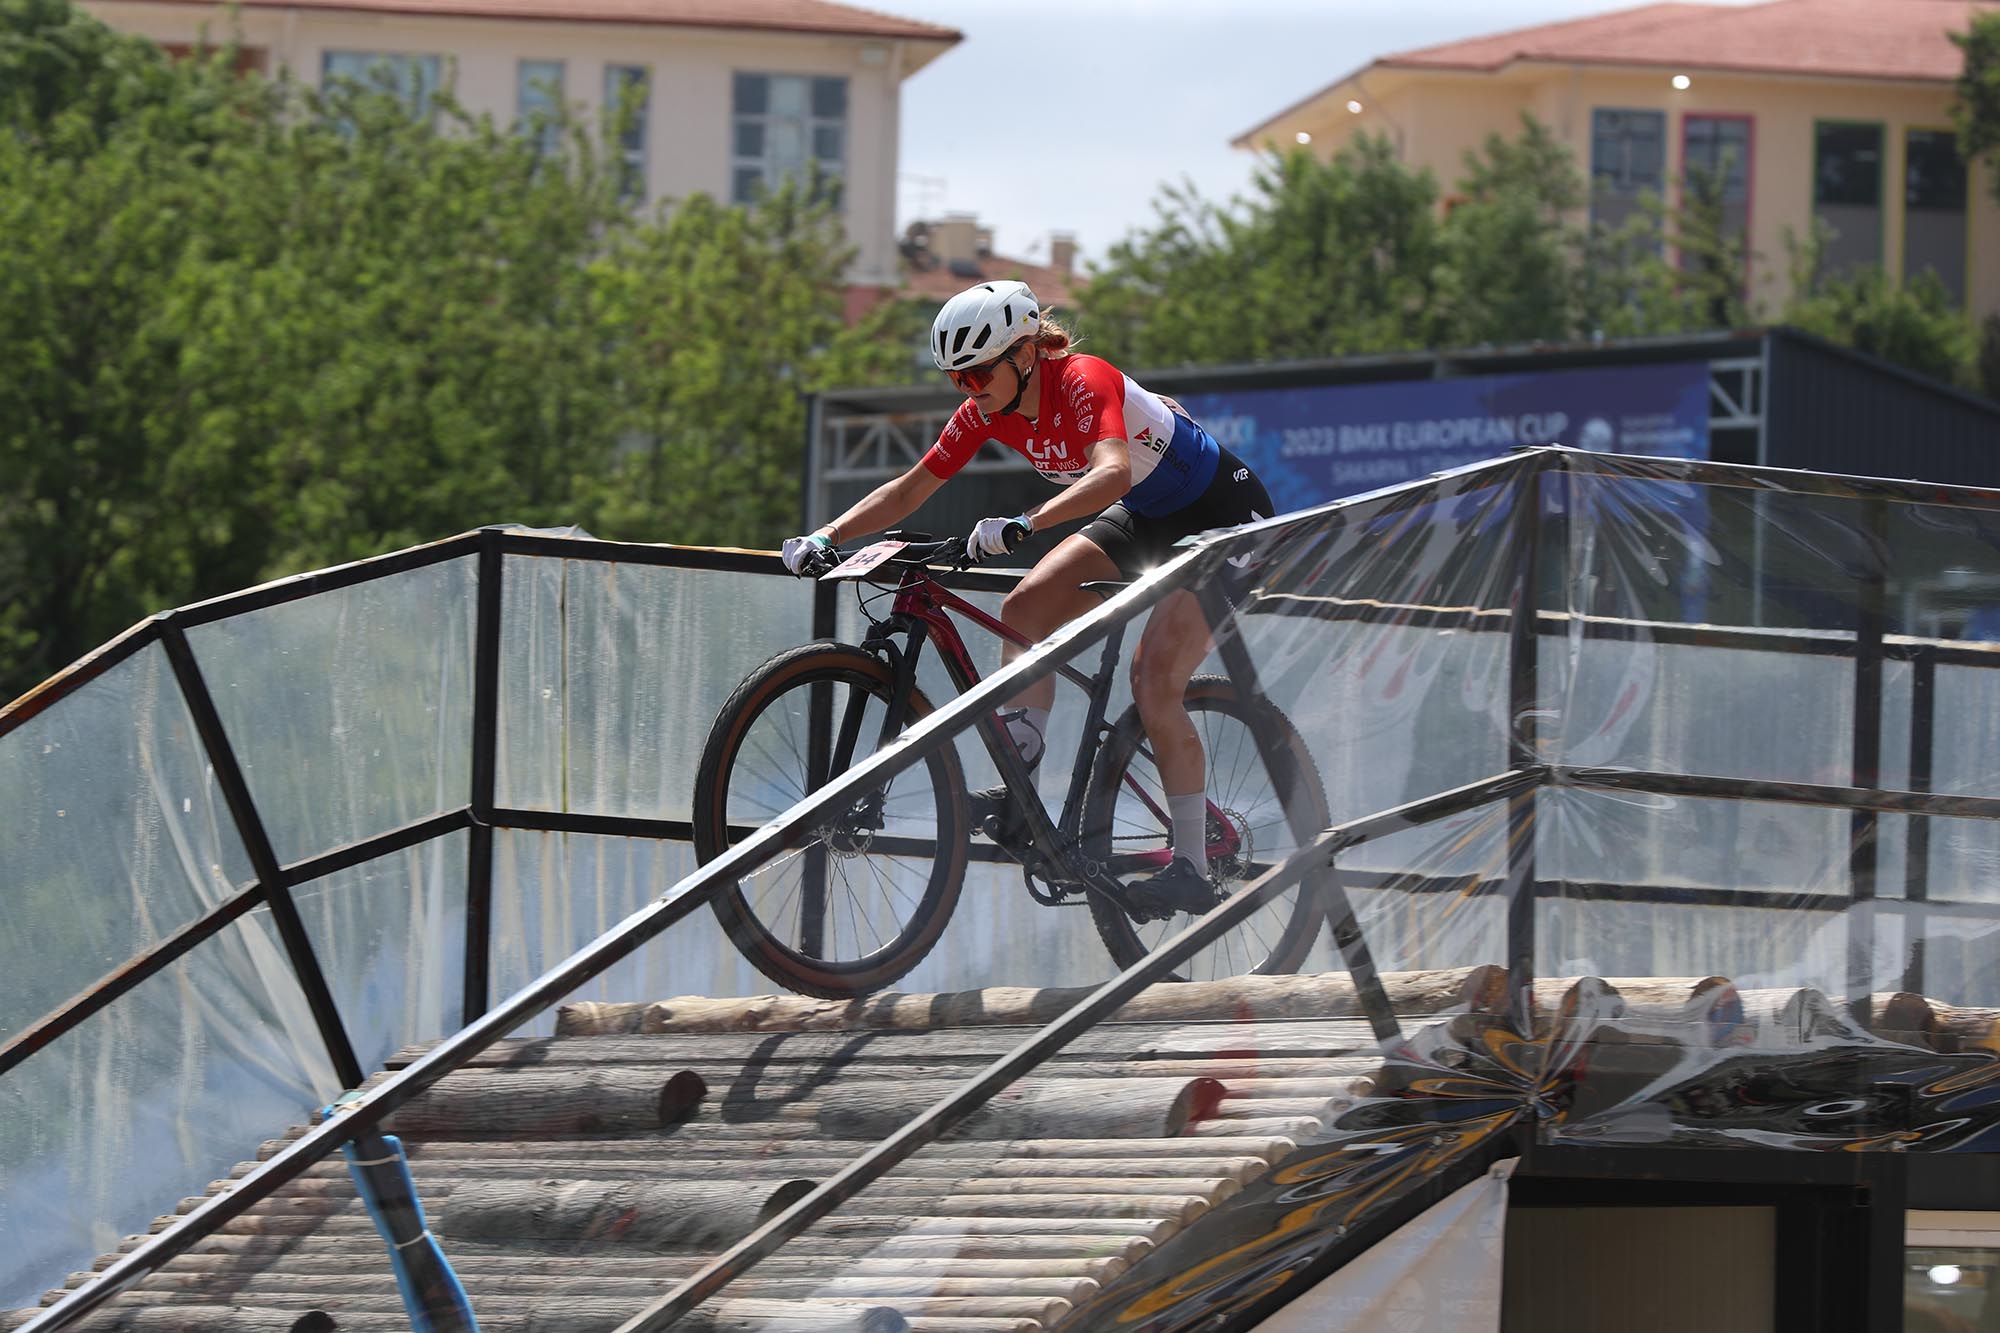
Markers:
point(975, 378)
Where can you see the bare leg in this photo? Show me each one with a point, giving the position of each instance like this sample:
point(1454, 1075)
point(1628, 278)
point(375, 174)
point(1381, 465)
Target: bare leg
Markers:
point(1050, 597)
point(1175, 641)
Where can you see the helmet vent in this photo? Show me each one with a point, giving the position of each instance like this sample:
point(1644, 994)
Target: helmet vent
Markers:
point(1007, 314)
point(985, 332)
point(958, 343)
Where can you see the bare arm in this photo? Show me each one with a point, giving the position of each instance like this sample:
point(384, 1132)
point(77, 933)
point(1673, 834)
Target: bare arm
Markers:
point(885, 506)
point(1109, 477)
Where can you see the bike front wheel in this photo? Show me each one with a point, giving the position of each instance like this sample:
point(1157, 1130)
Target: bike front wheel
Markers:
point(1126, 829)
point(867, 891)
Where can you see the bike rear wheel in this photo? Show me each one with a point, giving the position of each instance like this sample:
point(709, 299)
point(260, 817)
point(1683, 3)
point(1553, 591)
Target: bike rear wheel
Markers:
point(867, 891)
point(1125, 827)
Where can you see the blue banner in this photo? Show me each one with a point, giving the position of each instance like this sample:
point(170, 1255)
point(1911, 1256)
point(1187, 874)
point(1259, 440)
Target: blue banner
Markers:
point(1311, 445)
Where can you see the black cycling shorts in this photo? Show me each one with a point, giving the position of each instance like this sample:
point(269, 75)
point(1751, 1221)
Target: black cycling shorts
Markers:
point(1136, 543)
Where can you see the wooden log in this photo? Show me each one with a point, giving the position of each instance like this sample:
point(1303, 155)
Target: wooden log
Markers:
point(331, 1177)
point(591, 1101)
point(727, 1316)
point(1905, 1017)
point(723, 1061)
point(189, 1319)
point(1321, 995)
point(1019, 1150)
point(1296, 1129)
point(894, 1247)
point(362, 1289)
point(624, 1212)
point(1680, 999)
point(1787, 1017)
point(297, 1272)
point(1322, 1109)
point(1965, 1028)
point(1099, 1108)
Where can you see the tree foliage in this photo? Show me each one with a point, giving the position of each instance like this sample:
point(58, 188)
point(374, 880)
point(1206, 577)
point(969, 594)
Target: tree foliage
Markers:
point(1353, 254)
point(1976, 92)
point(251, 328)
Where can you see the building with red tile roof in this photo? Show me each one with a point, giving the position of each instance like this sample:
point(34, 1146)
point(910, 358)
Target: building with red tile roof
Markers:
point(734, 95)
point(1815, 111)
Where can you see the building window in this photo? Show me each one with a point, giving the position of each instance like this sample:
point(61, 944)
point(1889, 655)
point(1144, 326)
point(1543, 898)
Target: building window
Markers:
point(1716, 149)
point(1628, 160)
point(784, 124)
point(1847, 193)
point(1951, 1270)
point(413, 79)
point(1934, 195)
point(628, 96)
point(538, 100)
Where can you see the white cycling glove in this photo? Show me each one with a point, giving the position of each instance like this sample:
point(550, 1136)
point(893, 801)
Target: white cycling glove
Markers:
point(799, 553)
point(990, 536)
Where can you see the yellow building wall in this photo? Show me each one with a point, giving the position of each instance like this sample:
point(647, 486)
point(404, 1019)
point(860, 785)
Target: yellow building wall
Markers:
point(688, 127)
point(1436, 118)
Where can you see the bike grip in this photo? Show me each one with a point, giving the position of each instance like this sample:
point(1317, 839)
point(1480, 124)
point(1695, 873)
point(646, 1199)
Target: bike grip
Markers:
point(1016, 532)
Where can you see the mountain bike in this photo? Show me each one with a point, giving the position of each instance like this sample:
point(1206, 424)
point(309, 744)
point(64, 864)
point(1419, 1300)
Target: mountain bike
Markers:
point(870, 891)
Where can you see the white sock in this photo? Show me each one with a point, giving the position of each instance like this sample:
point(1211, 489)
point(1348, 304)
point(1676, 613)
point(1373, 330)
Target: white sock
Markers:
point(1028, 727)
point(1190, 815)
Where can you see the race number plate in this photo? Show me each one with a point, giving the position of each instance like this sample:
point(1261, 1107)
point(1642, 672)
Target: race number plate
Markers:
point(862, 561)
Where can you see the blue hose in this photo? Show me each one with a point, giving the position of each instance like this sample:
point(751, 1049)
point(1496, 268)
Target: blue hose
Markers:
point(431, 1292)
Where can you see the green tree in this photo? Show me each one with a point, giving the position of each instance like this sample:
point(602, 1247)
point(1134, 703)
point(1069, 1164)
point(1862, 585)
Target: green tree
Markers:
point(1324, 258)
point(1509, 252)
point(1976, 105)
point(251, 329)
point(1913, 324)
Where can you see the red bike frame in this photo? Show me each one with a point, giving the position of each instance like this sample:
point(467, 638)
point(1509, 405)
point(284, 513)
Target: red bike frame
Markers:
point(922, 600)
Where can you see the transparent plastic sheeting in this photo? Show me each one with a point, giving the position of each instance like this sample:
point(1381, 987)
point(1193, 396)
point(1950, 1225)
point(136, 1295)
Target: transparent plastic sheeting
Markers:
point(148, 1101)
point(611, 674)
point(115, 835)
point(350, 712)
point(1702, 943)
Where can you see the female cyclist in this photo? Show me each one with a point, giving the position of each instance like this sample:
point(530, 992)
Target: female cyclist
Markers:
point(1132, 459)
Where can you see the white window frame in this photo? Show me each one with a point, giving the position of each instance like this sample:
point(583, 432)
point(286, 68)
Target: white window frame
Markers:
point(366, 67)
point(771, 171)
point(530, 96)
point(630, 149)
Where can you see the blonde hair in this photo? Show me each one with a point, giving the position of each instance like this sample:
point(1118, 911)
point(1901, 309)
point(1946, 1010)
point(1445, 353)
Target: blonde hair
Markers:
point(1052, 339)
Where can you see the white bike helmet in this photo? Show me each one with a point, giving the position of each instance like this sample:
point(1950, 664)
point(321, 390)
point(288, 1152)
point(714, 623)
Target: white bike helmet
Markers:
point(981, 322)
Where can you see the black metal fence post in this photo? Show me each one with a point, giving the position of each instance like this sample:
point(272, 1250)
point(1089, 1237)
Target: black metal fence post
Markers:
point(485, 768)
point(271, 879)
point(1917, 849)
point(1524, 746)
point(1865, 825)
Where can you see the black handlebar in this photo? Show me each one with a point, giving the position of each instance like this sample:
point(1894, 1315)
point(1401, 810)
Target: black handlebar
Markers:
point(919, 548)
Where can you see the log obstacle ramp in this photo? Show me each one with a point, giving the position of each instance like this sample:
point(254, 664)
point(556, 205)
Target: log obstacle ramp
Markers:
point(1172, 1161)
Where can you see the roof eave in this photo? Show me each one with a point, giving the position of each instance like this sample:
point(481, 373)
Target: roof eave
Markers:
point(941, 37)
point(1256, 134)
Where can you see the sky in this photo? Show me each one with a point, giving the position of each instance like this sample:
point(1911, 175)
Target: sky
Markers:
point(1108, 100)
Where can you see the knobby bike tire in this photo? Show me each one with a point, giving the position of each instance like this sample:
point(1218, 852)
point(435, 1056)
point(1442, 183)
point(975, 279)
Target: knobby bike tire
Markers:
point(786, 680)
point(1279, 939)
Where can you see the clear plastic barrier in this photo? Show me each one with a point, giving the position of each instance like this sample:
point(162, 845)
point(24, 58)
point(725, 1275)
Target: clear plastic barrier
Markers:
point(148, 1101)
point(115, 835)
point(350, 712)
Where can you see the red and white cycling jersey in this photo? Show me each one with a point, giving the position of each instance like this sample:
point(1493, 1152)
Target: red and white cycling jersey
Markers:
point(1084, 399)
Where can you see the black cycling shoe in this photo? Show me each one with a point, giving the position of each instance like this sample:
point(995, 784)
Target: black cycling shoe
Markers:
point(1178, 888)
point(996, 814)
